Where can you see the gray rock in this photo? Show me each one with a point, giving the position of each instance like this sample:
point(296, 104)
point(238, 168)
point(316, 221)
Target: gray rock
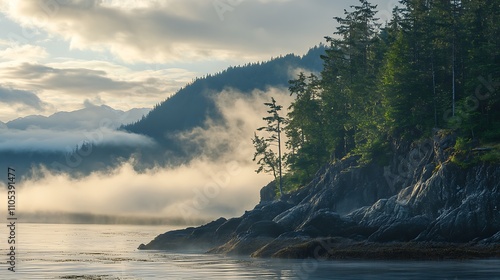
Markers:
point(200, 238)
point(272, 209)
point(402, 231)
point(268, 193)
point(493, 239)
point(326, 223)
point(420, 197)
point(227, 230)
point(266, 228)
point(294, 216)
point(248, 219)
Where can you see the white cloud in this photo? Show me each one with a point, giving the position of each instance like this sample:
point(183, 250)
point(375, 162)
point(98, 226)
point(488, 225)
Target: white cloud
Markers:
point(21, 53)
point(64, 85)
point(168, 31)
point(190, 33)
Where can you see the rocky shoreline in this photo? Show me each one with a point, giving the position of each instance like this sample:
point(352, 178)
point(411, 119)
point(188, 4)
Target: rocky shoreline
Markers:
point(322, 249)
point(420, 206)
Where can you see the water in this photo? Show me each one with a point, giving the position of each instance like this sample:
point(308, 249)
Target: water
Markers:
point(48, 251)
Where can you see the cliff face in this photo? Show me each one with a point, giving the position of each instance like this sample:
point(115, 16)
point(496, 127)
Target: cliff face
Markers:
point(420, 197)
point(452, 205)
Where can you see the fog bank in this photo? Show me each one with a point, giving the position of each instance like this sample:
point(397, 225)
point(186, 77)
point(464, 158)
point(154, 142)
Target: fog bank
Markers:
point(221, 182)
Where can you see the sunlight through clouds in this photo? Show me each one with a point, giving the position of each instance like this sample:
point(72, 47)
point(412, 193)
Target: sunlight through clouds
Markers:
point(169, 31)
point(145, 50)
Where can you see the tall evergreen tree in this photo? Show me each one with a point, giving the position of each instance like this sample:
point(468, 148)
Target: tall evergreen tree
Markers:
point(267, 159)
point(305, 129)
point(351, 69)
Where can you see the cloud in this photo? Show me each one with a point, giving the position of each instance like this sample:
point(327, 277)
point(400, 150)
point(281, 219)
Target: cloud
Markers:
point(206, 188)
point(49, 140)
point(14, 96)
point(242, 114)
point(21, 53)
point(203, 35)
point(65, 85)
point(168, 31)
point(78, 81)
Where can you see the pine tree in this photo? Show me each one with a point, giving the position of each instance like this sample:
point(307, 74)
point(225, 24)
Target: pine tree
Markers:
point(305, 129)
point(267, 159)
point(351, 69)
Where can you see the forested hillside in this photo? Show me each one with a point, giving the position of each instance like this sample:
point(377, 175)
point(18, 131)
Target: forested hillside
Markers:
point(191, 105)
point(436, 64)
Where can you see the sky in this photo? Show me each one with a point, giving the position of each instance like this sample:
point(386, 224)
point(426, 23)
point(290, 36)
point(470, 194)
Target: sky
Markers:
point(58, 55)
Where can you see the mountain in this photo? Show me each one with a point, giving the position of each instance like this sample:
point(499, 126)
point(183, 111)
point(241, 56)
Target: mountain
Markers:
point(193, 104)
point(90, 117)
point(434, 209)
point(37, 140)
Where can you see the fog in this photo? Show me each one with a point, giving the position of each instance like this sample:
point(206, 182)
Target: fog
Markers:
point(221, 182)
point(63, 131)
point(35, 139)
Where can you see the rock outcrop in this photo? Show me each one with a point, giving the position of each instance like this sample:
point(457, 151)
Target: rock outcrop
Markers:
point(420, 198)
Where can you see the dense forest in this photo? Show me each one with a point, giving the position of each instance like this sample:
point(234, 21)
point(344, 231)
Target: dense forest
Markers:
point(436, 64)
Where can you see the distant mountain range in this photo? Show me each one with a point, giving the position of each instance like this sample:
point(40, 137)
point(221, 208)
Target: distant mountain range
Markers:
point(190, 107)
point(90, 117)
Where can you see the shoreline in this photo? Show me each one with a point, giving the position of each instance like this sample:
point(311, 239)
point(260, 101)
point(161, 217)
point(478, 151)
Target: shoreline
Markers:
point(404, 251)
point(335, 248)
point(350, 212)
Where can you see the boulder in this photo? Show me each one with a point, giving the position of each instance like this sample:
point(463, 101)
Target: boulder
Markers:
point(248, 219)
point(495, 239)
point(227, 230)
point(402, 231)
point(200, 238)
point(293, 217)
point(326, 223)
point(268, 193)
point(273, 209)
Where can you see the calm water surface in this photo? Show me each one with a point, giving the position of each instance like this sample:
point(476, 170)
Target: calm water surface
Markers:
point(48, 251)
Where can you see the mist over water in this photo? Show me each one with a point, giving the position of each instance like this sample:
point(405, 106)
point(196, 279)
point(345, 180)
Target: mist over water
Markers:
point(220, 182)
